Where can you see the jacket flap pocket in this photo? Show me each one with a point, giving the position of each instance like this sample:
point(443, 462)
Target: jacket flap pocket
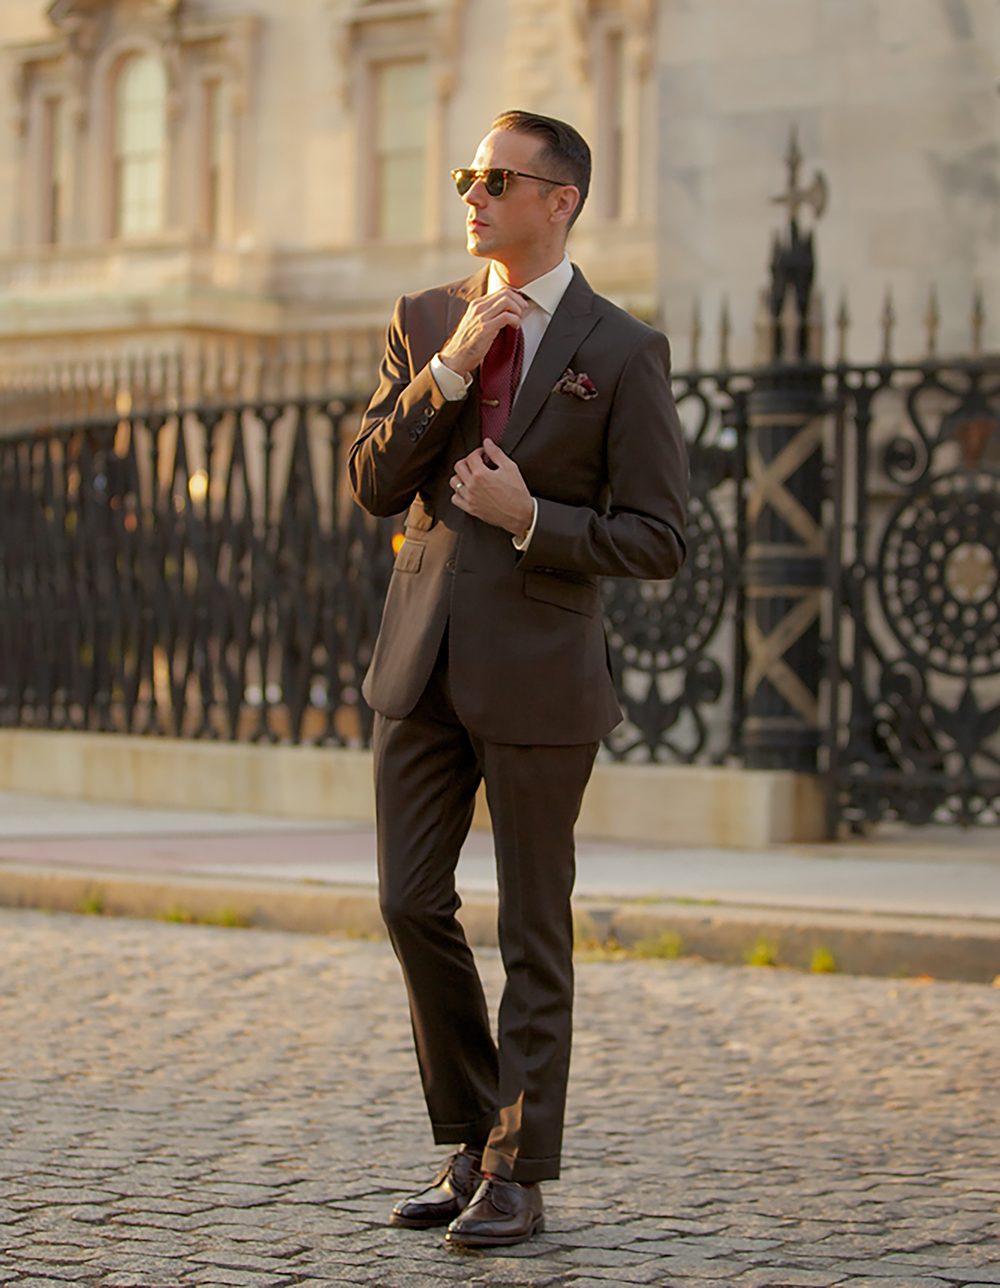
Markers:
point(410, 556)
point(577, 596)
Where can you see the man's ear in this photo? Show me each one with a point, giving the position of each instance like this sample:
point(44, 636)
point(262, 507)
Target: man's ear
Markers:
point(564, 201)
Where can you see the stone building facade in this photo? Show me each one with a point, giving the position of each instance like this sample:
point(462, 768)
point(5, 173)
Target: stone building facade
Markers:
point(176, 174)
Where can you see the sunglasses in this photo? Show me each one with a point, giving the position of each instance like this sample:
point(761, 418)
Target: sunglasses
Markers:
point(494, 180)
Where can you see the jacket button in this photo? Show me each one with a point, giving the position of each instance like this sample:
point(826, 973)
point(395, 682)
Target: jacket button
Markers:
point(450, 565)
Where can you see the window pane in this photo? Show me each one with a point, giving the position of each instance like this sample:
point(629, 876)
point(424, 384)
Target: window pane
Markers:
point(402, 107)
point(140, 138)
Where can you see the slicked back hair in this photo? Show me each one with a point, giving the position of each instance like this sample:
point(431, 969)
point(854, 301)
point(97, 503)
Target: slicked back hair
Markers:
point(564, 150)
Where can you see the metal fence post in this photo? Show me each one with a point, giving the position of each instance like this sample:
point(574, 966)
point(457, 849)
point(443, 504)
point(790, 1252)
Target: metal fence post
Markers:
point(785, 571)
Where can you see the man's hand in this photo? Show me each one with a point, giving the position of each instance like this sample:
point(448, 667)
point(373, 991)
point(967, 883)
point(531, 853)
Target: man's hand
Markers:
point(488, 485)
point(479, 327)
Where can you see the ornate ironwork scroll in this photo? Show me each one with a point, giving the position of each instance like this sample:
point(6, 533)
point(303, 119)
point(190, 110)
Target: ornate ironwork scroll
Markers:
point(676, 655)
point(915, 731)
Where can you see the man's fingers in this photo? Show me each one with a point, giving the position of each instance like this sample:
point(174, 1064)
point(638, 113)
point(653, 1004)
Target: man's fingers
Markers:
point(480, 325)
point(494, 451)
point(463, 472)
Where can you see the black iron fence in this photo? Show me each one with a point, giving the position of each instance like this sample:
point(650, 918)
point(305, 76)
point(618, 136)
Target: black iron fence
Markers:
point(206, 574)
point(201, 574)
point(913, 728)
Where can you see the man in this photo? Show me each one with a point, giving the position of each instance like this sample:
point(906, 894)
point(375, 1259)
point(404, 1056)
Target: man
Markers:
point(528, 426)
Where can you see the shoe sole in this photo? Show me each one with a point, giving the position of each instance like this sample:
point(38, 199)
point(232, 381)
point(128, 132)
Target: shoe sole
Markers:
point(496, 1240)
point(409, 1223)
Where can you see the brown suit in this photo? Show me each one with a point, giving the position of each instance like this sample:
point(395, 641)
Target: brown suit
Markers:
point(492, 664)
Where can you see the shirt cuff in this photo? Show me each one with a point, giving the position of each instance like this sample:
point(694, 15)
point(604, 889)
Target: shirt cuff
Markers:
point(453, 386)
point(525, 541)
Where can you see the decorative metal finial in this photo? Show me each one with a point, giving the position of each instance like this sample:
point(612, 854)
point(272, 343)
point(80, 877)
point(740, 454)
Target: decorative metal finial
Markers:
point(816, 195)
point(695, 332)
point(932, 321)
point(725, 331)
point(843, 326)
point(793, 157)
point(793, 265)
point(978, 322)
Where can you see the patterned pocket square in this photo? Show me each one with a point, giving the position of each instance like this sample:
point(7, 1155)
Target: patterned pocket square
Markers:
point(578, 385)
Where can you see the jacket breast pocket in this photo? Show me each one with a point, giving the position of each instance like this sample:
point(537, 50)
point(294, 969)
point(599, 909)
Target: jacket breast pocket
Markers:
point(410, 557)
point(578, 597)
point(419, 518)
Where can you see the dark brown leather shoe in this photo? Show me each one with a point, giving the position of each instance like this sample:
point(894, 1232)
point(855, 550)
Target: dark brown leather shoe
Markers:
point(446, 1198)
point(501, 1212)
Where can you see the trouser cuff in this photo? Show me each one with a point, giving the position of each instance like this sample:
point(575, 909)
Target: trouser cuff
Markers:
point(520, 1169)
point(474, 1133)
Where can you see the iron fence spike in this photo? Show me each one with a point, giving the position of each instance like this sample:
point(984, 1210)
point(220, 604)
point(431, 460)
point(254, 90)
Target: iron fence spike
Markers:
point(695, 332)
point(725, 331)
point(843, 326)
point(932, 320)
point(978, 321)
point(888, 322)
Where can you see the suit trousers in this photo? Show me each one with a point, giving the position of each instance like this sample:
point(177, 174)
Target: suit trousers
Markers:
point(507, 1096)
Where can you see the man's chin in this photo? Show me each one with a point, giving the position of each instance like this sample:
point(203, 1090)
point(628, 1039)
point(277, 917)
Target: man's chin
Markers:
point(481, 247)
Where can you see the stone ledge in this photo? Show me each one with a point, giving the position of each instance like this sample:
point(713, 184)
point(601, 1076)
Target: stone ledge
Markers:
point(859, 944)
point(658, 804)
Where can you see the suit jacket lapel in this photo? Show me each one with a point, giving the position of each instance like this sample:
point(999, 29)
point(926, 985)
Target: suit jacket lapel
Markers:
point(572, 321)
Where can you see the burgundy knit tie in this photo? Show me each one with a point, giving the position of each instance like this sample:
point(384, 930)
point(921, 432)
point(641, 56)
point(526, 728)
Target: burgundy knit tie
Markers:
point(498, 380)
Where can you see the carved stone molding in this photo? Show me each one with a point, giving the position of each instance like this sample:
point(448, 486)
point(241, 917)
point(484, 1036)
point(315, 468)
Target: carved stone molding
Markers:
point(430, 27)
point(638, 18)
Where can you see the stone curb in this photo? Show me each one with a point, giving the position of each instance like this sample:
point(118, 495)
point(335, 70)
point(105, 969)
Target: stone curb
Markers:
point(850, 942)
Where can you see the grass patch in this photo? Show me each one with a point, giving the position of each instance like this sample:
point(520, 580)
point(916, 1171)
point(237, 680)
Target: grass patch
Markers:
point(92, 905)
point(823, 962)
point(763, 953)
point(668, 946)
point(226, 917)
point(180, 915)
point(593, 950)
point(177, 914)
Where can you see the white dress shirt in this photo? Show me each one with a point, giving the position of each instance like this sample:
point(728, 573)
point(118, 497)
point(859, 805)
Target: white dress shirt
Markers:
point(544, 294)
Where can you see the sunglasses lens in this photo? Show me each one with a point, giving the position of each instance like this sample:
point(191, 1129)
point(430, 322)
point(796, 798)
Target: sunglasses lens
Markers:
point(495, 181)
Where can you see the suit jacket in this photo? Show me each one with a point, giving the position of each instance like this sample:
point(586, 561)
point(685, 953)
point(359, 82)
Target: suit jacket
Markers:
point(528, 661)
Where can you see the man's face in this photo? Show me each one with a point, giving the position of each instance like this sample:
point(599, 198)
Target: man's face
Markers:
point(496, 226)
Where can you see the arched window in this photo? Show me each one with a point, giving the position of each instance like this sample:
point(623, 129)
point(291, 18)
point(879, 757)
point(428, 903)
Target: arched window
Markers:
point(140, 139)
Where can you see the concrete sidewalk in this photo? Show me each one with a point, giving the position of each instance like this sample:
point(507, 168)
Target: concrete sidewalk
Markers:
point(927, 902)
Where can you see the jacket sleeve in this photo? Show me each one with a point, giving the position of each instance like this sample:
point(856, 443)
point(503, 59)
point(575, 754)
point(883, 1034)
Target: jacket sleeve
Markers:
point(641, 532)
point(406, 427)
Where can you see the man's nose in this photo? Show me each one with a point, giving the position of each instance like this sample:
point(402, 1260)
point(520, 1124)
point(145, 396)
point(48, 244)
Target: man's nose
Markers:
point(477, 195)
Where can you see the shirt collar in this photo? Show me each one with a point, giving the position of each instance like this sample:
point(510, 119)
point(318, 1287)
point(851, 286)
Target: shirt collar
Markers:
point(545, 291)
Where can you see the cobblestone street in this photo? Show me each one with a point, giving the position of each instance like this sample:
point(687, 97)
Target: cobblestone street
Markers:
point(183, 1105)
